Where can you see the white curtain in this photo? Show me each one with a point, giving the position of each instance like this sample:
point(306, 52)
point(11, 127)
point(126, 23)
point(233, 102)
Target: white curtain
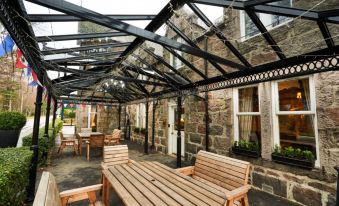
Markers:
point(245, 121)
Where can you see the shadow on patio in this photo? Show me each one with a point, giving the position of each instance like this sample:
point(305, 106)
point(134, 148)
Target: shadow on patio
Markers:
point(73, 171)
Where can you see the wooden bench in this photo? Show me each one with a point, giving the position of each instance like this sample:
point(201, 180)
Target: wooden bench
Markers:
point(48, 193)
point(223, 173)
point(114, 138)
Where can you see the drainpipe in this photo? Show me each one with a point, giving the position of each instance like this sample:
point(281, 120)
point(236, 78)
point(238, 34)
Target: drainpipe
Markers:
point(34, 147)
point(54, 112)
point(146, 130)
point(153, 124)
point(207, 129)
point(179, 132)
point(337, 198)
point(48, 109)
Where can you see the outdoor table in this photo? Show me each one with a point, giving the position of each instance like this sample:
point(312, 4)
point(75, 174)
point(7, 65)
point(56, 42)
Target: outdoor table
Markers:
point(152, 183)
point(84, 136)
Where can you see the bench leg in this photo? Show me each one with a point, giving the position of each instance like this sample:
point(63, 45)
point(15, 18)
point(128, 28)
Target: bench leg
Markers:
point(105, 190)
point(87, 155)
point(245, 201)
point(230, 203)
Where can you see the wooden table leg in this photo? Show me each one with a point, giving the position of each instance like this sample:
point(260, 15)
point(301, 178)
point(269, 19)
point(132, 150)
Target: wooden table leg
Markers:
point(80, 145)
point(105, 192)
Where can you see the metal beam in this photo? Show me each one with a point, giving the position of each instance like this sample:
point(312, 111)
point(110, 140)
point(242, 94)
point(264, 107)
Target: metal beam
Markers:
point(326, 34)
point(84, 48)
point(78, 36)
point(268, 9)
point(90, 56)
point(179, 107)
point(258, 2)
point(67, 18)
point(219, 34)
point(190, 42)
point(48, 109)
point(146, 129)
point(255, 19)
point(100, 19)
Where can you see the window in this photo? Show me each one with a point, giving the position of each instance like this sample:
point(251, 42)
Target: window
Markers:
point(175, 62)
point(248, 28)
point(247, 114)
point(295, 114)
point(141, 116)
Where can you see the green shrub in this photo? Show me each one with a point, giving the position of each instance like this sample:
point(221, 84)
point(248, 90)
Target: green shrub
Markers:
point(14, 175)
point(294, 153)
point(140, 130)
point(12, 120)
point(248, 145)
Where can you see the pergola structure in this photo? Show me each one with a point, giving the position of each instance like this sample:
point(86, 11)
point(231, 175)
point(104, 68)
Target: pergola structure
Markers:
point(96, 68)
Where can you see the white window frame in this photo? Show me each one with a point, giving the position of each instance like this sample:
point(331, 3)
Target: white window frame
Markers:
point(266, 19)
point(172, 57)
point(276, 112)
point(236, 112)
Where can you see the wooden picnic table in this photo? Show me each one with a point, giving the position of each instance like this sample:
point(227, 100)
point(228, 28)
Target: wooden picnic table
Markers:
point(84, 136)
point(152, 183)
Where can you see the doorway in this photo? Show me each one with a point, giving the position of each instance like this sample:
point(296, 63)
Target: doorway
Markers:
point(173, 128)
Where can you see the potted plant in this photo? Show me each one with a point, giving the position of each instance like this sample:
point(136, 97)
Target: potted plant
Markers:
point(294, 157)
point(247, 148)
point(11, 124)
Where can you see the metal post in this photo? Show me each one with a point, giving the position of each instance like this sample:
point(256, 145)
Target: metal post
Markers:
point(48, 109)
point(146, 130)
point(179, 132)
point(62, 111)
point(54, 112)
point(34, 147)
point(153, 125)
point(119, 118)
point(207, 129)
point(337, 198)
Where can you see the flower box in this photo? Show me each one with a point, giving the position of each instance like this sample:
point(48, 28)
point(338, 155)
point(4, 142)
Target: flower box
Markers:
point(302, 163)
point(245, 152)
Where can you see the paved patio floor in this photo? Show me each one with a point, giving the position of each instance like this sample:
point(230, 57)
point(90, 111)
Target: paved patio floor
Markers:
point(75, 171)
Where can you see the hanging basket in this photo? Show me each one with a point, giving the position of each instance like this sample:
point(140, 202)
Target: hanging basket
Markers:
point(9, 138)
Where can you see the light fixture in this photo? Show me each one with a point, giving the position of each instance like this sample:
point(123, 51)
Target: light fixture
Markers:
point(298, 95)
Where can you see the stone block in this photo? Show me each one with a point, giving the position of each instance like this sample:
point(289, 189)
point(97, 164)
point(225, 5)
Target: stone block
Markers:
point(195, 138)
point(160, 133)
point(191, 127)
point(323, 186)
point(191, 148)
point(216, 130)
point(201, 129)
point(330, 201)
point(279, 186)
point(293, 178)
point(306, 196)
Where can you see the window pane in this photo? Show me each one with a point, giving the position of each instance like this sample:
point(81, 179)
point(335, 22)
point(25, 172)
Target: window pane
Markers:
point(182, 119)
point(249, 128)
point(297, 131)
point(248, 99)
point(294, 95)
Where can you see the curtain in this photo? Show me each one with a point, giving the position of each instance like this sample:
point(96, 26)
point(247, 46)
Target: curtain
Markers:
point(307, 99)
point(245, 105)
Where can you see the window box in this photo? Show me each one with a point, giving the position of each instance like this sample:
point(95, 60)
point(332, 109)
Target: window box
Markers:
point(302, 163)
point(245, 152)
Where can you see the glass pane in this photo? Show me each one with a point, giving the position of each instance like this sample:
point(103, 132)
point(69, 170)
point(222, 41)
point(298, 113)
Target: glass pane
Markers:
point(249, 128)
point(297, 131)
point(294, 95)
point(182, 119)
point(248, 99)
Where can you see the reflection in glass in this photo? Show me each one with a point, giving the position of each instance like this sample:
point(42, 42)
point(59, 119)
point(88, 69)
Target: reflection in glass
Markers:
point(249, 128)
point(294, 95)
point(297, 131)
point(248, 99)
point(182, 119)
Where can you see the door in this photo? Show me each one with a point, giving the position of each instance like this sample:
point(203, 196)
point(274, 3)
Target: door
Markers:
point(173, 130)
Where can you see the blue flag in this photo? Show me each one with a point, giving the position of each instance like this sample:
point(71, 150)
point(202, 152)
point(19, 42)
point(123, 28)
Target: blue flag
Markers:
point(6, 46)
point(33, 84)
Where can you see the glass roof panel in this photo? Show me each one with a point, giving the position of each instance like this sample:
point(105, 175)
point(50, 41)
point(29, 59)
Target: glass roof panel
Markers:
point(309, 5)
point(334, 30)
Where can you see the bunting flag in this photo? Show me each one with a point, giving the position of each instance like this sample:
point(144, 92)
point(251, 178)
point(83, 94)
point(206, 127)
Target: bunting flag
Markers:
point(71, 105)
point(59, 105)
point(33, 84)
point(28, 71)
point(21, 62)
point(35, 78)
point(6, 46)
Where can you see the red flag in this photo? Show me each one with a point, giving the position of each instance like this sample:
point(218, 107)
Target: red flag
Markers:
point(35, 77)
point(21, 62)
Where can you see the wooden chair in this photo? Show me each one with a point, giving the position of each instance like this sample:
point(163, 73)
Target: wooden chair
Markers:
point(114, 138)
point(95, 141)
point(114, 155)
point(67, 142)
point(223, 173)
point(48, 193)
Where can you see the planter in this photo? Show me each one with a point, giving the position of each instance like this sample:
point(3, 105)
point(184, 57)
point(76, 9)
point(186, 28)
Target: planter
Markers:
point(306, 164)
point(244, 152)
point(9, 138)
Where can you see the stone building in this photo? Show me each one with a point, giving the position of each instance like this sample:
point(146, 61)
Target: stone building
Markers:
point(300, 112)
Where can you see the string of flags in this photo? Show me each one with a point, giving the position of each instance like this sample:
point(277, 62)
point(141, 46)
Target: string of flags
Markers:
point(6, 47)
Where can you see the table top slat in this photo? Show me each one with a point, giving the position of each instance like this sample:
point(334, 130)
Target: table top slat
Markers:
point(136, 182)
point(125, 196)
point(130, 187)
point(220, 199)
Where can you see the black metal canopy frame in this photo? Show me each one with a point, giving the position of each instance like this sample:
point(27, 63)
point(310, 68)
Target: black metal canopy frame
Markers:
point(148, 82)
